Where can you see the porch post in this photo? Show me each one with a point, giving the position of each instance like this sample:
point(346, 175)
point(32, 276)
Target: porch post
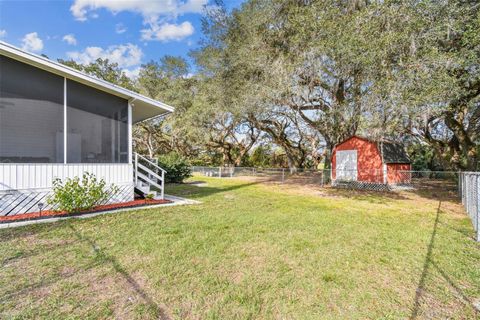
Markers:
point(64, 120)
point(130, 139)
point(162, 194)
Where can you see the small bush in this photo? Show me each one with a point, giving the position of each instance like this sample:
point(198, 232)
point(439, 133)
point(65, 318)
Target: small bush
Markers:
point(73, 195)
point(177, 167)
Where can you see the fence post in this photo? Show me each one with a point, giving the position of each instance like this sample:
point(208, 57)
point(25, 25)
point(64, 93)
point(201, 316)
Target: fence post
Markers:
point(283, 175)
point(219, 172)
point(477, 214)
point(459, 174)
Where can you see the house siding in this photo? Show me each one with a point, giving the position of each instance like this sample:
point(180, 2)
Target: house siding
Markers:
point(23, 186)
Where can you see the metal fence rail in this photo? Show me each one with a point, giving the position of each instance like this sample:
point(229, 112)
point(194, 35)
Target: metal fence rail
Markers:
point(374, 179)
point(469, 188)
point(280, 174)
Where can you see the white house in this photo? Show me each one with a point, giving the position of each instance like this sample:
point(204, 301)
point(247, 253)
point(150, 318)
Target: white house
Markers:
point(58, 122)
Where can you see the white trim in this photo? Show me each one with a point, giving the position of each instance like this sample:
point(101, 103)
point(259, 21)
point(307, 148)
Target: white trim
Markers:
point(385, 173)
point(70, 73)
point(176, 201)
point(64, 120)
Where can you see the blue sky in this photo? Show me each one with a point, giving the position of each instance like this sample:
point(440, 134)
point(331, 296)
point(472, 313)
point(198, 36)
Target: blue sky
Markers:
point(129, 32)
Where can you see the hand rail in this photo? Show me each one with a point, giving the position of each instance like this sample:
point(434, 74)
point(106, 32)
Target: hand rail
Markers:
point(149, 161)
point(144, 178)
point(149, 171)
point(151, 176)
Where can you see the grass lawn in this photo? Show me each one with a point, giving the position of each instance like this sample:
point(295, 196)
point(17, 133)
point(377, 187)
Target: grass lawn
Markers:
point(250, 251)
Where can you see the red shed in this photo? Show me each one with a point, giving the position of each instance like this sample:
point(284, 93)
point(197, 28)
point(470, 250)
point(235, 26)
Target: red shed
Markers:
point(365, 160)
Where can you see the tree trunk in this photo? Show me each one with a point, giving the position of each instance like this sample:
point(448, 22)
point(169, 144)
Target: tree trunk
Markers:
point(327, 164)
point(150, 149)
point(472, 158)
point(291, 162)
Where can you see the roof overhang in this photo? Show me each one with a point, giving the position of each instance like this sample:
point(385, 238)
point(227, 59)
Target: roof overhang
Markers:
point(143, 107)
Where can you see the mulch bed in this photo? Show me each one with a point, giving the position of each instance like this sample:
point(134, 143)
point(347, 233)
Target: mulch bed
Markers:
point(50, 213)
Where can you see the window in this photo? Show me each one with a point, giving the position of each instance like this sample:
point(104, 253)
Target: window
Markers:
point(96, 126)
point(31, 114)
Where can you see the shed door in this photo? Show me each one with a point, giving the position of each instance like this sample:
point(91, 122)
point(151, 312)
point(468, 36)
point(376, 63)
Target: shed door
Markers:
point(346, 165)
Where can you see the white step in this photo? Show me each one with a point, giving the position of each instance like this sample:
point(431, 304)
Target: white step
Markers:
point(145, 188)
point(148, 176)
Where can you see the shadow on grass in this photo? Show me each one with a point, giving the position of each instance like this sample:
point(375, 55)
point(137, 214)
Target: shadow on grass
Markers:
point(36, 230)
point(428, 265)
point(444, 190)
point(30, 253)
point(101, 258)
point(439, 189)
point(200, 189)
point(45, 282)
point(159, 312)
point(381, 197)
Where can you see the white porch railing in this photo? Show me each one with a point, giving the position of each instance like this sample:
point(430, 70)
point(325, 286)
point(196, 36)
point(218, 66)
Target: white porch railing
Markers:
point(149, 177)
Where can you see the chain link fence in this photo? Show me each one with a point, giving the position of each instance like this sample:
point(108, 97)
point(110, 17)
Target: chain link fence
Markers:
point(469, 188)
point(389, 180)
point(376, 180)
point(321, 177)
point(466, 184)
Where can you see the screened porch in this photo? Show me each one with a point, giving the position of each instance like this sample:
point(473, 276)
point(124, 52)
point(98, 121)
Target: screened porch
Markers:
point(46, 118)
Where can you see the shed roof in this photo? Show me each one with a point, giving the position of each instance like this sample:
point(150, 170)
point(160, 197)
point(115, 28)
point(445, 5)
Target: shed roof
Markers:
point(393, 152)
point(144, 107)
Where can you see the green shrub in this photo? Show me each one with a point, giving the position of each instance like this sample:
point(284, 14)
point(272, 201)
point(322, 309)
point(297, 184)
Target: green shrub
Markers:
point(73, 195)
point(177, 167)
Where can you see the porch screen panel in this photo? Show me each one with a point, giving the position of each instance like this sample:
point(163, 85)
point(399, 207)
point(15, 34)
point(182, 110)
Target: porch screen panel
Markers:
point(96, 126)
point(31, 114)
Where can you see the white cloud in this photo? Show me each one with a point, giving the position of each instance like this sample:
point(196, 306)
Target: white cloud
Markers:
point(120, 28)
point(31, 42)
point(147, 8)
point(126, 55)
point(70, 39)
point(157, 15)
point(3, 33)
point(168, 31)
point(132, 73)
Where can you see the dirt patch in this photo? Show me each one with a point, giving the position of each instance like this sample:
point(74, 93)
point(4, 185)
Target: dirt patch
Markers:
point(197, 183)
point(114, 290)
